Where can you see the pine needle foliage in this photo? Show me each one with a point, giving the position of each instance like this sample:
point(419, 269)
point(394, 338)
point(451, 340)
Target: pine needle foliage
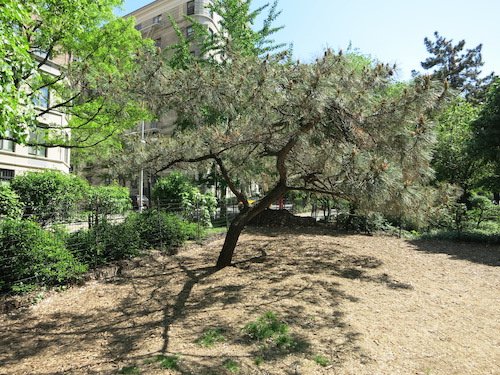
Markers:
point(335, 126)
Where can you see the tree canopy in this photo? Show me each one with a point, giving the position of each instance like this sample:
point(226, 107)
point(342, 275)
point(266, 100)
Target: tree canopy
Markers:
point(453, 160)
point(461, 68)
point(486, 141)
point(96, 53)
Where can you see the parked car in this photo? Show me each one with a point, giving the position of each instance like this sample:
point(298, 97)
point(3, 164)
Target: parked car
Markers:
point(135, 202)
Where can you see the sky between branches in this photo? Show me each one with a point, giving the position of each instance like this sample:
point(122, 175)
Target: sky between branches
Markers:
point(392, 31)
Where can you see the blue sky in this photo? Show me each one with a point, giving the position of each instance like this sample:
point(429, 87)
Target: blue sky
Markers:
point(389, 30)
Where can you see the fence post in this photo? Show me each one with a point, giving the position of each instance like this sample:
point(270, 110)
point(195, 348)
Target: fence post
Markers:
point(198, 218)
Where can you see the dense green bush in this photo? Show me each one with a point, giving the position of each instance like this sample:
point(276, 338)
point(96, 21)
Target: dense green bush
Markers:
point(10, 205)
point(104, 243)
point(150, 229)
point(158, 229)
point(50, 195)
point(368, 223)
point(192, 204)
point(103, 201)
point(30, 255)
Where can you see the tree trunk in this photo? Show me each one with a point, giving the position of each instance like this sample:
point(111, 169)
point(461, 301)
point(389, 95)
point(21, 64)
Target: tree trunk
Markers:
point(232, 236)
point(240, 221)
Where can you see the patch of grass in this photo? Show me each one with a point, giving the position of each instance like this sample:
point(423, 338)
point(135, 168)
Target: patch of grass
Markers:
point(272, 331)
point(258, 361)
point(266, 327)
point(211, 337)
point(231, 366)
point(322, 361)
point(169, 362)
point(131, 370)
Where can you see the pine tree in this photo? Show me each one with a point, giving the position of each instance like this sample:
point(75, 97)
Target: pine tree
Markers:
point(460, 68)
point(339, 127)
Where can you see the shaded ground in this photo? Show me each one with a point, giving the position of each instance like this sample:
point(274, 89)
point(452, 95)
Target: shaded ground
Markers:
point(369, 305)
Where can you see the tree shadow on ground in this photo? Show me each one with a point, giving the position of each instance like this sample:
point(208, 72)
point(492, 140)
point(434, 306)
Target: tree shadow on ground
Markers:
point(167, 305)
point(487, 254)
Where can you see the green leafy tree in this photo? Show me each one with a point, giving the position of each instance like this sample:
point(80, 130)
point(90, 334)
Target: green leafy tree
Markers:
point(335, 127)
point(50, 195)
point(461, 68)
point(15, 62)
point(235, 35)
point(237, 25)
point(98, 57)
point(453, 160)
point(171, 187)
point(486, 142)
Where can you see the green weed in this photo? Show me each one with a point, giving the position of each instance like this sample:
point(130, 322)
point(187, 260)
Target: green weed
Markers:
point(269, 329)
point(231, 366)
point(169, 362)
point(131, 370)
point(322, 361)
point(266, 327)
point(211, 337)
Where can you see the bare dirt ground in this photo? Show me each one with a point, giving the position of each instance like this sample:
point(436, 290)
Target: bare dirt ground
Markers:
point(367, 304)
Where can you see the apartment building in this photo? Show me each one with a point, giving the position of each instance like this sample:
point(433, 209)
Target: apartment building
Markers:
point(153, 21)
point(17, 158)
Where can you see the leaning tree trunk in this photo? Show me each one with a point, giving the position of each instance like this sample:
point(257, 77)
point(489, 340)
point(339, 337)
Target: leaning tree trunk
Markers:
point(240, 221)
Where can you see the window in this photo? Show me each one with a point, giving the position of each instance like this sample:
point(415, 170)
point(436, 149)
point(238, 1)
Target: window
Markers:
point(190, 8)
point(6, 174)
point(5, 144)
point(158, 42)
point(189, 31)
point(42, 98)
point(138, 27)
point(157, 19)
point(37, 150)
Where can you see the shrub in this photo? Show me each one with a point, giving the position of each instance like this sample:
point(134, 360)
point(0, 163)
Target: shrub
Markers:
point(371, 222)
point(194, 206)
point(30, 255)
point(105, 242)
point(50, 196)
point(160, 229)
point(10, 205)
point(103, 201)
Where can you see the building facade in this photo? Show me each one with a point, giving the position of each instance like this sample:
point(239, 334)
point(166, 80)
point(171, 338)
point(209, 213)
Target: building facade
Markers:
point(16, 158)
point(153, 21)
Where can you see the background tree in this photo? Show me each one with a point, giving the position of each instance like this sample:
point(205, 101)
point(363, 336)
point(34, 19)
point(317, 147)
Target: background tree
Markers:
point(237, 25)
point(461, 69)
point(453, 160)
point(486, 142)
point(97, 53)
point(337, 127)
point(15, 62)
point(236, 34)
